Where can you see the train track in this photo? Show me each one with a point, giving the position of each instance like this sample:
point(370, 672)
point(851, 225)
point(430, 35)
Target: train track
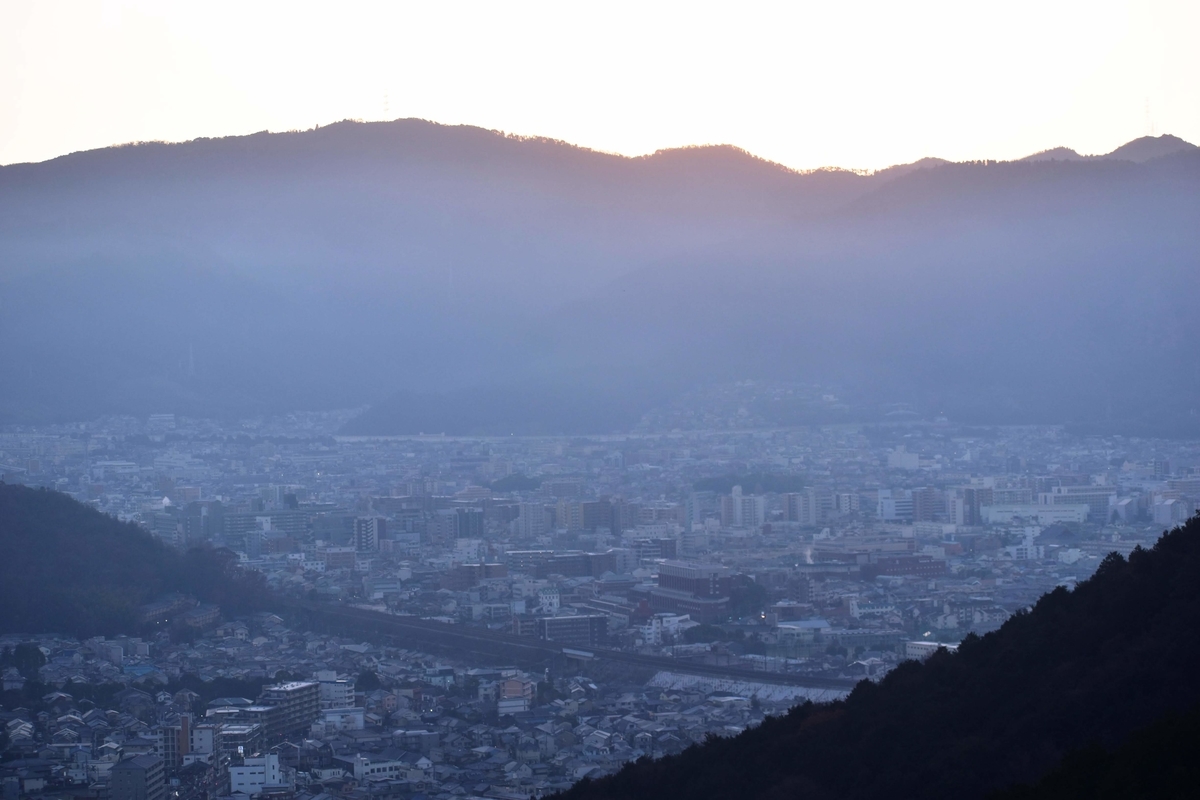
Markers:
point(416, 633)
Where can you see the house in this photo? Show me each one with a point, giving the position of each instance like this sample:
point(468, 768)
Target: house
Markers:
point(12, 680)
point(134, 701)
point(597, 743)
point(382, 701)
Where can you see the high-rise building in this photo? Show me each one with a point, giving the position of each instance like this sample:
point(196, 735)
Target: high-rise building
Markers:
point(368, 533)
point(206, 740)
point(531, 521)
point(568, 514)
point(203, 521)
point(699, 507)
point(335, 691)
point(802, 507)
point(928, 504)
point(743, 510)
point(294, 707)
point(442, 527)
point(168, 526)
point(173, 742)
point(468, 523)
point(964, 506)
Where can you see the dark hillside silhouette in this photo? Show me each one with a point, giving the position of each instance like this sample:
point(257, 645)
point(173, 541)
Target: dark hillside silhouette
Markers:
point(67, 568)
point(1157, 762)
point(1083, 668)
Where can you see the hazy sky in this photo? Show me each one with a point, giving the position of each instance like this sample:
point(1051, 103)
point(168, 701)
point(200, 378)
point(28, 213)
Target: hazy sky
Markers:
point(856, 84)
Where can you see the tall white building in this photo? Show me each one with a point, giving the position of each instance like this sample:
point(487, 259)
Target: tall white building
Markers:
point(531, 520)
point(1100, 500)
point(336, 691)
point(895, 505)
point(743, 510)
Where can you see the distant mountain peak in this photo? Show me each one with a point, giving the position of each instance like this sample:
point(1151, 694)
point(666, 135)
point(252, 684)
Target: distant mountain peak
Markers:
point(727, 156)
point(1148, 147)
point(1056, 154)
point(1138, 150)
point(897, 170)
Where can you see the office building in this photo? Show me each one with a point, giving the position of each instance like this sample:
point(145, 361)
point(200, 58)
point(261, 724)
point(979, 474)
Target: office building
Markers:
point(578, 630)
point(699, 590)
point(250, 776)
point(1099, 500)
point(895, 505)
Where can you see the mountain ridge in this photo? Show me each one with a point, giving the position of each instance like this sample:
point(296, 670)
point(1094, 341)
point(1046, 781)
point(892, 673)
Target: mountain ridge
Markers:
point(1138, 150)
point(457, 262)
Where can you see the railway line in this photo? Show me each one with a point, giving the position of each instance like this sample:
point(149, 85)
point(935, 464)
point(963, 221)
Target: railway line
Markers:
point(418, 633)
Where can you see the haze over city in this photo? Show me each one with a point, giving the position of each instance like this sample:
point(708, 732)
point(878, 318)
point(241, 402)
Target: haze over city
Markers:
point(512, 400)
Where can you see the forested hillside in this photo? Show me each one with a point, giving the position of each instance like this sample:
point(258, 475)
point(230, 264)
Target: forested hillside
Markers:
point(67, 568)
point(1083, 669)
point(1157, 763)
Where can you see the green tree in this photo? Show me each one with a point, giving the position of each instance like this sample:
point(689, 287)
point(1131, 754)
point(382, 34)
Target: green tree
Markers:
point(28, 658)
point(367, 681)
point(746, 597)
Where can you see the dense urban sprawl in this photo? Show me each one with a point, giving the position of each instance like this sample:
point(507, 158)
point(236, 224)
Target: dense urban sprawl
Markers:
point(818, 554)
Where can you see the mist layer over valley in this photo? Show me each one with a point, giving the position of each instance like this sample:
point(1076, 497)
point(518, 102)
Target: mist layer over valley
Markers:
point(463, 281)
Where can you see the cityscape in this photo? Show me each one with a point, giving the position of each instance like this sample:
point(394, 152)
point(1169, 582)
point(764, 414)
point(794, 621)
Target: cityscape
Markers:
point(671, 586)
point(599, 401)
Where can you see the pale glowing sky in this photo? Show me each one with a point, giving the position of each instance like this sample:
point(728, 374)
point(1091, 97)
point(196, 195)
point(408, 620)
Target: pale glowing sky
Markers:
point(855, 84)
